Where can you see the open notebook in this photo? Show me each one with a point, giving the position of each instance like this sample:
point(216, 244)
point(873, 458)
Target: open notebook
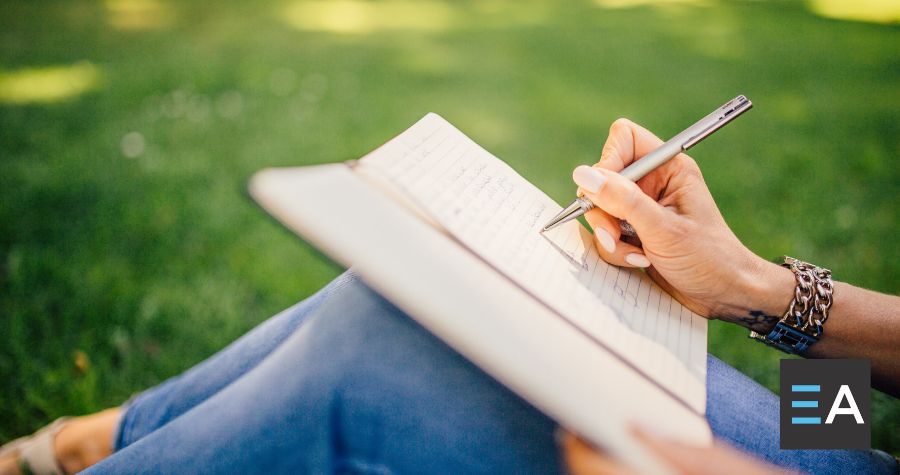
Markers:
point(449, 233)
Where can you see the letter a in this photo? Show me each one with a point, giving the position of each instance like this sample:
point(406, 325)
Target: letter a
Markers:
point(836, 408)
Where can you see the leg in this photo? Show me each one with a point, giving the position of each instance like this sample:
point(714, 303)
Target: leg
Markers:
point(82, 441)
point(157, 406)
point(361, 387)
point(358, 387)
point(746, 415)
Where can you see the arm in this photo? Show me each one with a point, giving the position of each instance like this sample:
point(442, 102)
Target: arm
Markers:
point(691, 252)
point(861, 324)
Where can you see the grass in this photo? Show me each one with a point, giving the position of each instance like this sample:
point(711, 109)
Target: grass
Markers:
point(129, 250)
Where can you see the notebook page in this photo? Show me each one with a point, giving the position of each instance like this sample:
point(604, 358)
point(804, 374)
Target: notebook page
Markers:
point(492, 210)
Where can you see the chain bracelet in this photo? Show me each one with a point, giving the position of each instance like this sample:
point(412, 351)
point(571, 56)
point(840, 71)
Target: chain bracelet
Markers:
point(813, 296)
point(801, 325)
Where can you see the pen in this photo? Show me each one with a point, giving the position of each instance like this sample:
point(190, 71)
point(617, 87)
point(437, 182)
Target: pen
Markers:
point(668, 150)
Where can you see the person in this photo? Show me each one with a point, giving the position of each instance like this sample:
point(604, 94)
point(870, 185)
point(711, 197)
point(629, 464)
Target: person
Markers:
point(345, 382)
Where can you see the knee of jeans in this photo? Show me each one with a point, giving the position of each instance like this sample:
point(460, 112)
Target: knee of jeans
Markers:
point(362, 333)
point(395, 389)
point(400, 387)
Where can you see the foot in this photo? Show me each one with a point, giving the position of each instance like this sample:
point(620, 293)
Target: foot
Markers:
point(78, 444)
point(9, 464)
point(86, 440)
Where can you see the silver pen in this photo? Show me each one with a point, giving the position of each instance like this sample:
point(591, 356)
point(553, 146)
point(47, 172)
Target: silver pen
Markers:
point(667, 151)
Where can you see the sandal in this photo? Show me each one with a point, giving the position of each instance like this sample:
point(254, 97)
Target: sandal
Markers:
point(36, 455)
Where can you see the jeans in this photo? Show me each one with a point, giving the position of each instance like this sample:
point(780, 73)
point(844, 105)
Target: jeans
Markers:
point(344, 382)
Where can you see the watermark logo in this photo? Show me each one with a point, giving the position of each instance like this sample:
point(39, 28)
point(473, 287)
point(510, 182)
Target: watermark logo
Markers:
point(825, 404)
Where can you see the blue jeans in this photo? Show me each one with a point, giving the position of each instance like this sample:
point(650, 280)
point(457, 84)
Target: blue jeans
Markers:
point(345, 382)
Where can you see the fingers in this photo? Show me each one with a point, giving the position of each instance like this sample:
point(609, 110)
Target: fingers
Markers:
point(627, 141)
point(582, 459)
point(621, 198)
point(715, 459)
point(607, 233)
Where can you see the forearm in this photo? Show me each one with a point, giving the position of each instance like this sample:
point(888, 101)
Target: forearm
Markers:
point(861, 323)
point(864, 324)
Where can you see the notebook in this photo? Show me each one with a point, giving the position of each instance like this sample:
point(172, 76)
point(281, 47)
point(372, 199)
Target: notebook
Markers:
point(450, 234)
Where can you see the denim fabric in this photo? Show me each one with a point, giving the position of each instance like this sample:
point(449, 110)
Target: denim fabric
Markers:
point(346, 383)
point(746, 415)
point(153, 408)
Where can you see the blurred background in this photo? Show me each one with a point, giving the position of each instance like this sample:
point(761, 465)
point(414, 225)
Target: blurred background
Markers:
point(129, 250)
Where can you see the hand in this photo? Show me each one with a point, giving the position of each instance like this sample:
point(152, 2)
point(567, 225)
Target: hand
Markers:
point(581, 459)
point(685, 244)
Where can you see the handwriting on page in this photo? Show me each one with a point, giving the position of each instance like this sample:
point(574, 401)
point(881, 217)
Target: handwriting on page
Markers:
point(492, 210)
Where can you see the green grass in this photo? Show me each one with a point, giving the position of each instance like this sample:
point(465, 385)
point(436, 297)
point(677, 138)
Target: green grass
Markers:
point(118, 272)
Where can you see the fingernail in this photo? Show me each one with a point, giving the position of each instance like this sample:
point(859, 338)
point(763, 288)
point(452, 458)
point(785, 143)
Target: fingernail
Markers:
point(588, 178)
point(605, 239)
point(637, 260)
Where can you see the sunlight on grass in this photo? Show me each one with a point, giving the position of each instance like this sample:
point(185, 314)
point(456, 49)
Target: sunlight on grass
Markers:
point(354, 16)
point(874, 11)
point(714, 39)
point(430, 57)
point(638, 3)
point(138, 14)
point(129, 251)
point(48, 84)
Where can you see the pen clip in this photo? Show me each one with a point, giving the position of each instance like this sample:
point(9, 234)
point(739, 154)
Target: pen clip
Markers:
point(723, 115)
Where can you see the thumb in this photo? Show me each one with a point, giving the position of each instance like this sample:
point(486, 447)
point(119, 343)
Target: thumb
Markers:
point(619, 197)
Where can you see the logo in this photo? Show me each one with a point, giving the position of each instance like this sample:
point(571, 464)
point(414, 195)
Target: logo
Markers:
point(825, 404)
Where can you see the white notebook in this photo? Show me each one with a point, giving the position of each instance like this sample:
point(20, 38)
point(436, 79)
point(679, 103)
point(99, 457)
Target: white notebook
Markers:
point(431, 215)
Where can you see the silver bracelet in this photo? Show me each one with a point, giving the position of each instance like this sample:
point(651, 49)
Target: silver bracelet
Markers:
point(802, 325)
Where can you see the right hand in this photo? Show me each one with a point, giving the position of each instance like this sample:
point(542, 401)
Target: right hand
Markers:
point(685, 244)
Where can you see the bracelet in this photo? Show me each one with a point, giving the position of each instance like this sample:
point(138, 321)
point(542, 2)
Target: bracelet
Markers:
point(802, 325)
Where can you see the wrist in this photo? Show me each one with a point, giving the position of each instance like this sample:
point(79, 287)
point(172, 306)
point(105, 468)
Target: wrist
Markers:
point(774, 289)
point(762, 294)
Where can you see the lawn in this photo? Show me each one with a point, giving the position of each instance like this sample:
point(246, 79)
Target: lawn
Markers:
point(129, 250)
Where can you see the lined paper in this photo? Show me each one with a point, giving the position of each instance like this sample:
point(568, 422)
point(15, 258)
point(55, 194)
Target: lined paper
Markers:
point(489, 208)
